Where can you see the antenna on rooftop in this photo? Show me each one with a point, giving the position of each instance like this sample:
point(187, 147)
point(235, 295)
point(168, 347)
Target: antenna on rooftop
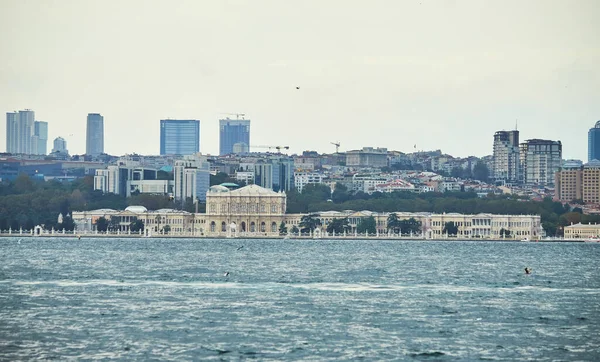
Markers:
point(516, 123)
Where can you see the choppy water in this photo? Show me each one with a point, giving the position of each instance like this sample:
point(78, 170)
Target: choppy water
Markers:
point(159, 299)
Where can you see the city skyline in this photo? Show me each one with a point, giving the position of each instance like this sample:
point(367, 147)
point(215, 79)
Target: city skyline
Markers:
point(438, 75)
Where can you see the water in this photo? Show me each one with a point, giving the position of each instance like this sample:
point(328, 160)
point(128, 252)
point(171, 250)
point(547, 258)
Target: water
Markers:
point(141, 299)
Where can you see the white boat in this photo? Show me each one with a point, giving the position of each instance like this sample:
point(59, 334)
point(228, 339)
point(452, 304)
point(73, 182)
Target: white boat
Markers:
point(592, 240)
point(525, 239)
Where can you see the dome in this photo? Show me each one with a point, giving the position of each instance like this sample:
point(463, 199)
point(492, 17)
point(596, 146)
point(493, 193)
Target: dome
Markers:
point(597, 125)
point(136, 209)
point(218, 188)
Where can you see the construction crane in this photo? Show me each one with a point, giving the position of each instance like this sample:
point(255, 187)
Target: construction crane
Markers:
point(337, 146)
point(278, 148)
point(237, 115)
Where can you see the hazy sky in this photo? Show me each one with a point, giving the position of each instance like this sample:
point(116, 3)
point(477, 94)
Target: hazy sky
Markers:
point(439, 74)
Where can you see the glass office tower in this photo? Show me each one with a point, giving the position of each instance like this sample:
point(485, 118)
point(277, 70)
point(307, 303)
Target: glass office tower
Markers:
point(234, 133)
point(179, 137)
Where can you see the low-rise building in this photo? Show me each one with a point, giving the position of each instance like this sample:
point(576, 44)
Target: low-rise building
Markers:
point(582, 231)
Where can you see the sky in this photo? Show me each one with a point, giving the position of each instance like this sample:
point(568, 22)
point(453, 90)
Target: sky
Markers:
point(405, 75)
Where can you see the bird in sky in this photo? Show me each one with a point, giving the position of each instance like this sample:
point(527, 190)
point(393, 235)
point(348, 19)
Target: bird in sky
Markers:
point(297, 87)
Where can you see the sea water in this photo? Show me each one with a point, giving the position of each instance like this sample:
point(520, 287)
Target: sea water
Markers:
point(172, 299)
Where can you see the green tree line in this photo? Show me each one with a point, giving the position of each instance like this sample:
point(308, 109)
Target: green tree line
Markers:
point(25, 203)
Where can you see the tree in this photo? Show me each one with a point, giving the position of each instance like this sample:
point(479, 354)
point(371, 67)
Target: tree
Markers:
point(167, 229)
point(282, 229)
point(295, 230)
point(393, 223)
point(136, 226)
point(481, 172)
point(505, 233)
point(114, 223)
point(367, 224)
point(410, 226)
point(309, 222)
point(340, 193)
point(338, 225)
point(450, 229)
point(102, 224)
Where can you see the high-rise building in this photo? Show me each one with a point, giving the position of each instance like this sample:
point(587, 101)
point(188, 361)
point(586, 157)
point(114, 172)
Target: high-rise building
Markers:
point(94, 141)
point(234, 133)
point(60, 145)
point(540, 160)
point(594, 143)
point(40, 138)
point(179, 137)
point(191, 178)
point(506, 156)
point(20, 132)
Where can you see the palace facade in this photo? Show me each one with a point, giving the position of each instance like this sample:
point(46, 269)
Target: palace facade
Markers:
point(253, 211)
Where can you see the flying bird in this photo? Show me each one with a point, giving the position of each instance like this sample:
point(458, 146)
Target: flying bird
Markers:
point(297, 87)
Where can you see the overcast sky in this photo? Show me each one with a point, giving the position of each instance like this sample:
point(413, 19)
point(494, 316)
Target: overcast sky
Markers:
point(435, 74)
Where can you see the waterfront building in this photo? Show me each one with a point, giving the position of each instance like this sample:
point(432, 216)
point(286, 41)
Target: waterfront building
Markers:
point(39, 143)
point(540, 160)
point(582, 231)
point(179, 137)
point(60, 145)
point(234, 133)
point(20, 131)
point(250, 209)
point(594, 142)
point(94, 139)
point(255, 211)
point(367, 157)
point(506, 156)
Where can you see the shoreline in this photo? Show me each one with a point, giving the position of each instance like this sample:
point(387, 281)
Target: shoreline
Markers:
point(329, 238)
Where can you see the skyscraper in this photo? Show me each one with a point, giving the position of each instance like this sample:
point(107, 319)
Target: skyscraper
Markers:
point(594, 143)
point(233, 132)
point(40, 138)
point(20, 131)
point(94, 139)
point(506, 156)
point(179, 137)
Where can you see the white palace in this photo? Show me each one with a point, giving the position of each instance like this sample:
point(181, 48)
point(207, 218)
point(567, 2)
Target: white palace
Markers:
point(254, 211)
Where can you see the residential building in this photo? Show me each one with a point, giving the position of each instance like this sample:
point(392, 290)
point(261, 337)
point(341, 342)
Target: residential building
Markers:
point(94, 139)
point(40, 138)
point(302, 179)
point(579, 183)
point(568, 184)
point(234, 133)
point(540, 160)
point(246, 177)
point(594, 142)
point(192, 178)
point(367, 157)
point(20, 131)
point(179, 137)
point(506, 156)
point(126, 180)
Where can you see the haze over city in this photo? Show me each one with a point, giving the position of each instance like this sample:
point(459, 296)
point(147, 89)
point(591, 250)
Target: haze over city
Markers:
point(435, 74)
